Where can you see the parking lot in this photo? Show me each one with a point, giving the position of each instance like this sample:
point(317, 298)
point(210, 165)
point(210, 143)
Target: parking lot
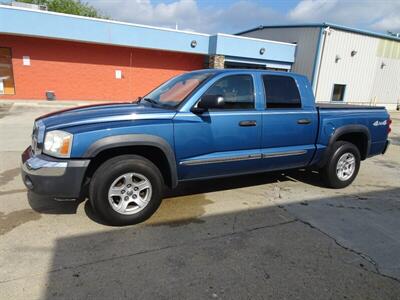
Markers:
point(279, 236)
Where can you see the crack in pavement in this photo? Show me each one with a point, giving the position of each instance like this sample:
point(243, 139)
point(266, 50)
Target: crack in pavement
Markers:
point(364, 256)
point(347, 207)
point(296, 219)
point(360, 254)
point(150, 251)
point(234, 223)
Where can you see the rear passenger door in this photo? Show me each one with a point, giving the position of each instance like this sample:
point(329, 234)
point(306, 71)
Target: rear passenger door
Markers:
point(289, 126)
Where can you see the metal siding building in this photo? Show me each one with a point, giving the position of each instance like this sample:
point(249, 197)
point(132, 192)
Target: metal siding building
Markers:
point(344, 64)
point(305, 38)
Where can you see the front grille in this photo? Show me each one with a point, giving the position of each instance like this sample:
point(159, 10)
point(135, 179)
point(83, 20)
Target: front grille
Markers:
point(37, 137)
point(35, 134)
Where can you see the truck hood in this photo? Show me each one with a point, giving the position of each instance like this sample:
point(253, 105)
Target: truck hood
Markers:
point(101, 113)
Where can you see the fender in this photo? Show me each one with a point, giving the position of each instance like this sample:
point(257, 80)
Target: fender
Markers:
point(354, 128)
point(136, 140)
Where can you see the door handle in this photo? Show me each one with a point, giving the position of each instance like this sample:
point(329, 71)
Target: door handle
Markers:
point(248, 123)
point(303, 121)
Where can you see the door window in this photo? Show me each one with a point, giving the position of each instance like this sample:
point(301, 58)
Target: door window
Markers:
point(6, 73)
point(237, 91)
point(281, 92)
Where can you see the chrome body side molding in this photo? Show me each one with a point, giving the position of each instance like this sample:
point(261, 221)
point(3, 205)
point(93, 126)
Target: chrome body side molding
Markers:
point(286, 153)
point(194, 162)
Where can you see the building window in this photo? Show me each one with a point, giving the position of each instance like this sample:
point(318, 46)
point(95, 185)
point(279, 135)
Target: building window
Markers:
point(338, 92)
point(281, 92)
point(6, 73)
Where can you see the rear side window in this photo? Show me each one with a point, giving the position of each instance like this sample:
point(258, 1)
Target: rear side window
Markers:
point(281, 92)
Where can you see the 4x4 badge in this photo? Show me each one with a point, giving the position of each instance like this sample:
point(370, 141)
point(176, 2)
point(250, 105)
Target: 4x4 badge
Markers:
point(379, 123)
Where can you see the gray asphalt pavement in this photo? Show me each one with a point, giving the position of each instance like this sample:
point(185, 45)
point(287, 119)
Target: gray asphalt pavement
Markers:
point(266, 236)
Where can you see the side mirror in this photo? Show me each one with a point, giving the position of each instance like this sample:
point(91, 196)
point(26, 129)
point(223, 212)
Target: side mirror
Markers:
point(208, 101)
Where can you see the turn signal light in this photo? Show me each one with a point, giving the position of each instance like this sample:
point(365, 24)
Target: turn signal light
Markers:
point(64, 150)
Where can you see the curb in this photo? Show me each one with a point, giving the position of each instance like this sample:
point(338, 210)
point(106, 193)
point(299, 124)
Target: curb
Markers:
point(45, 103)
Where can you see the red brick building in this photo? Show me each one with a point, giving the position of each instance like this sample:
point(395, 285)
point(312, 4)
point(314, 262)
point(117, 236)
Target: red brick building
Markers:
point(87, 71)
point(80, 58)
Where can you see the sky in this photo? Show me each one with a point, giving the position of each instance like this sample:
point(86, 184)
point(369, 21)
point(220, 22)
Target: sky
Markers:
point(232, 16)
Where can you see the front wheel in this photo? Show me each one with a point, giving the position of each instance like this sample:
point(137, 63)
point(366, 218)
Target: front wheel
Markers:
point(342, 166)
point(126, 190)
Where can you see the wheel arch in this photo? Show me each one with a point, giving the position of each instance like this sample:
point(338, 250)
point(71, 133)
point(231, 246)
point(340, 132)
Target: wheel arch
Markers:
point(151, 147)
point(358, 135)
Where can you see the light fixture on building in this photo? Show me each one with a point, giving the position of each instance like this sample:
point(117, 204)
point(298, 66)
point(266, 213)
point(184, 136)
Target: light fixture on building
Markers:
point(353, 53)
point(262, 51)
point(193, 44)
point(337, 58)
point(383, 65)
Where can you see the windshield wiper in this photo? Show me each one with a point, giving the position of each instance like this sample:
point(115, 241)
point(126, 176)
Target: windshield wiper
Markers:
point(156, 103)
point(152, 101)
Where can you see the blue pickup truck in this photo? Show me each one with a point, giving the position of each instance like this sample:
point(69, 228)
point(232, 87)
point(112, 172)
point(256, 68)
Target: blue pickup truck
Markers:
point(202, 124)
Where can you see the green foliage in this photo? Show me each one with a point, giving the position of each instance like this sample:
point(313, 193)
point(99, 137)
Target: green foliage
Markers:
point(73, 7)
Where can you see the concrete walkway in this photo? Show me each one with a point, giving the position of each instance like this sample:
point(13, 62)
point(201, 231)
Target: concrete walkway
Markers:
point(268, 236)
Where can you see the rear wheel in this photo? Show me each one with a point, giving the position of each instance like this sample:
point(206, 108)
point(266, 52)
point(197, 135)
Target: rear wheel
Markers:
point(342, 166)
point(126, 190)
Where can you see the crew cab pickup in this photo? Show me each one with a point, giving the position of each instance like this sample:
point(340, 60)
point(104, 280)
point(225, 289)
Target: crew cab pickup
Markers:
point(202, 124)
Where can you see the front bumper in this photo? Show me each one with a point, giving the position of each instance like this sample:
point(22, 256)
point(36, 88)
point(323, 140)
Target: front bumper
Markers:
point(58, 178)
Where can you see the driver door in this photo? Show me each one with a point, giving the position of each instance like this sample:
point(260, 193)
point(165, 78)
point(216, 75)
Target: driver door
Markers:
point(224, 140)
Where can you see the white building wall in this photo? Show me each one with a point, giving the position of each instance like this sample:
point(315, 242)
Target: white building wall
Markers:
point(386, 88)
point(365, 79)
point(306, 39)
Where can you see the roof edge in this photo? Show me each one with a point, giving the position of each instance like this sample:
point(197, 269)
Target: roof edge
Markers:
point(324, 24)
point(253, 39)
point(102, 20)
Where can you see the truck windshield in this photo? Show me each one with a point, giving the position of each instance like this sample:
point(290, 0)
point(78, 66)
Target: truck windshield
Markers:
point(175, 90)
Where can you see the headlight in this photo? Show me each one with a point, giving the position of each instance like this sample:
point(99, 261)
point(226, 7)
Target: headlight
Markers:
point(58, 143)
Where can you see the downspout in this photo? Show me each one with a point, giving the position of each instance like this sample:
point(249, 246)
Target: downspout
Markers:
point(131, 71)
point(318, 58)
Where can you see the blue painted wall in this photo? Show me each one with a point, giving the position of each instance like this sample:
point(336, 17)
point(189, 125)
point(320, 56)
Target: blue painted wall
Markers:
point(60, 26)
point(230, 45)
point(18, 21)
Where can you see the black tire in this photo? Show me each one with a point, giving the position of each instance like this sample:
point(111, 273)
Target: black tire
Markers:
point(108, 172)
point(328, 172)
